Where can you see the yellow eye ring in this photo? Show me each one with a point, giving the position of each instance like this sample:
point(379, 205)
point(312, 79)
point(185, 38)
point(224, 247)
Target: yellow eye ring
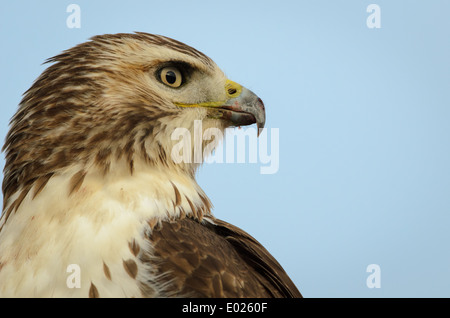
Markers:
point(171, 76)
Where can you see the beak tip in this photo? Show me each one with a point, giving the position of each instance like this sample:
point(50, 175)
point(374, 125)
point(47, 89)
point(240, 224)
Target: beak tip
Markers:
point(262, 114)
point(260, 127)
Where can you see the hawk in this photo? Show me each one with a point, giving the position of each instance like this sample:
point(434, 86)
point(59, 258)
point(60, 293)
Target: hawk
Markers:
point(89, 179)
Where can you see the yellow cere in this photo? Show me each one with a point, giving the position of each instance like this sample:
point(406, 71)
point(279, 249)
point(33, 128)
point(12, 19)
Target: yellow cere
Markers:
point(232, 90)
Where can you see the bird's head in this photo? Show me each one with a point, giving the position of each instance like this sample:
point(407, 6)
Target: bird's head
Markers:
point(117, 99)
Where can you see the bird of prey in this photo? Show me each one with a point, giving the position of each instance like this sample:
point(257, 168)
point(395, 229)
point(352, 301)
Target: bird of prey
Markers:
point(92, 194)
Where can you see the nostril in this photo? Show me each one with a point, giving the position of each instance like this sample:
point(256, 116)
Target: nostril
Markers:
point(232, 91)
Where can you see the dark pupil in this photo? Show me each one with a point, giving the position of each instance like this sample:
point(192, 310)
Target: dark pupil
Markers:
point(171, 77)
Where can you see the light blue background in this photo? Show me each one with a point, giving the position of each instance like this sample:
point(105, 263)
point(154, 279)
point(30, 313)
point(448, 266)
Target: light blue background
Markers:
point(363, 116)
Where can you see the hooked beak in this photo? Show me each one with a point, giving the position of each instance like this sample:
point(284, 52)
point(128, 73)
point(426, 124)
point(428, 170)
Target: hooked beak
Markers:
point(245, 109)
point(242, 108)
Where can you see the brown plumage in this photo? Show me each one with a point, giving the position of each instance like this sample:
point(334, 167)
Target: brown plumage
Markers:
point(216, 259)
point(91, 179)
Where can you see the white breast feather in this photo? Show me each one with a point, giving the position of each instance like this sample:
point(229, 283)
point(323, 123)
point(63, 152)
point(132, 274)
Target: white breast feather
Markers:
point(89, 228)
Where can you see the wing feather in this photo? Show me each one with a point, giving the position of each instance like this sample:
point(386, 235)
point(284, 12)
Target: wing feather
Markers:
point(215, 259)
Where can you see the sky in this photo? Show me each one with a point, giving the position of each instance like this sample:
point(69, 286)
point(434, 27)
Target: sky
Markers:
point(357, 200)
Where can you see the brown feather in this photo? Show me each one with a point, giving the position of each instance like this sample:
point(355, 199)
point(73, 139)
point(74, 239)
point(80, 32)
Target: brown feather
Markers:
point(93, 292)
point(107, 271)
point(216, 260)
point(130, 267)
point(134, 247)
point(177, 196)
point(76, 181)
point(40, 184)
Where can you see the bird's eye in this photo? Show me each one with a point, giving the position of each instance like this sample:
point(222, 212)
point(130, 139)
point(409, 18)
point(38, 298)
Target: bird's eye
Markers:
point(171, 76)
